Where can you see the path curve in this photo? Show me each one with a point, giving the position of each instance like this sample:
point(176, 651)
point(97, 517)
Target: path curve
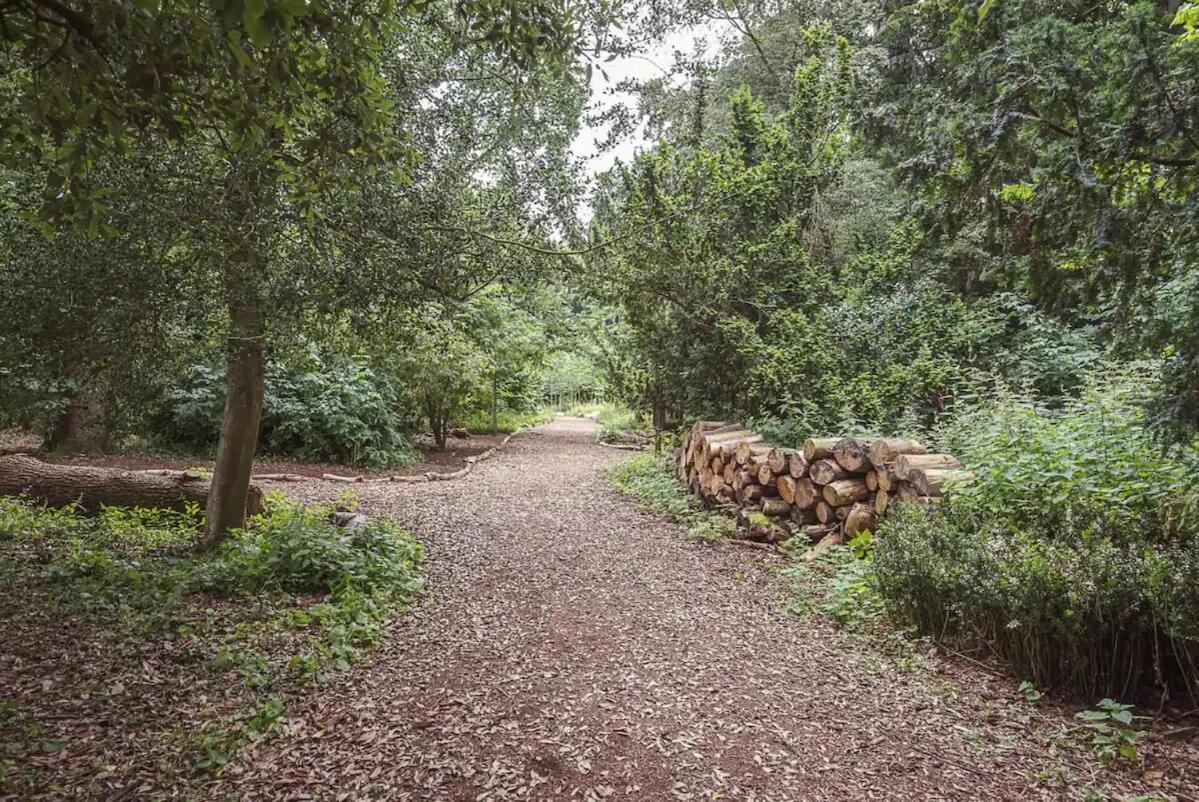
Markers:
point(569, 646)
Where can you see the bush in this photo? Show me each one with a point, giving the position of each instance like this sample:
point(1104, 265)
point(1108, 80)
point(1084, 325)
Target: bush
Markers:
point(338, 411)
point(1073, 553)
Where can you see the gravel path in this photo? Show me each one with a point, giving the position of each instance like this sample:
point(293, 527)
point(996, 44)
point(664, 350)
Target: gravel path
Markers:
point(571, 647)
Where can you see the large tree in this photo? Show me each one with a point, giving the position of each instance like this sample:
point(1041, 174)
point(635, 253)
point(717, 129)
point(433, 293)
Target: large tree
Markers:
point(281, 113)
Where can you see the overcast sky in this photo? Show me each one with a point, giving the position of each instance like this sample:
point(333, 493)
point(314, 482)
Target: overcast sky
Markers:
point(652, 64)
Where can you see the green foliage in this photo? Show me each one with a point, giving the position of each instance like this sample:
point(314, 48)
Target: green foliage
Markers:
point(338, 411)
point(648, 481)
point(136, 566)
point(839, 583)
point(1109, 732)
point(1073, 551)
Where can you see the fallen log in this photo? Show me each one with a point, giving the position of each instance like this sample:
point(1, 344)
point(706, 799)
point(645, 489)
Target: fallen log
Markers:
point(90, 488)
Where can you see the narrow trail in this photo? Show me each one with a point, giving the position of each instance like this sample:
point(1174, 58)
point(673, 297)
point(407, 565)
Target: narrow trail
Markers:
point(569, 646)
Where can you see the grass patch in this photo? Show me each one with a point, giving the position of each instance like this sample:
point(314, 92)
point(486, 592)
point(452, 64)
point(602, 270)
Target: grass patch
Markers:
point(610, 416)
point(282, 604)
point(647, 480)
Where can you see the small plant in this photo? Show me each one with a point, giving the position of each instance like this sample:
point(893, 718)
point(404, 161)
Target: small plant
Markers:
point(1030, 692)
point(651, 484)
point(1110, 733)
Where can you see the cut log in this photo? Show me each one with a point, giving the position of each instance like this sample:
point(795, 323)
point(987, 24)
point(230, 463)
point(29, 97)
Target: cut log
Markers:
point(802, 517)
point(746, 449)
point(882, 499)
point(886, 450)
point(775, 507)
point(907, 492)
point(905, 463)
point(872, 480)
point(766, 475)
point(815, 448)
point(729, 449)
point(845, 491)
point(786, 488)
point(806, 494)
point(797, 466)
point(861, 518)
point(779, 459)
point(853, 454)
point(755, 492)
point(61, 485)
point(886, 477)
point(730, 473)
point(826, 470)
point(814, 532)
point(934, 481)
point(824, 512)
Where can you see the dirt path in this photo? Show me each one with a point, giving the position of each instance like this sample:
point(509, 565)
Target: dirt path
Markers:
point(570, 647)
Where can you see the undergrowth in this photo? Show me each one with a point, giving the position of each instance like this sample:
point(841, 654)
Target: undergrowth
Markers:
point(648, 481)
point(507, 421)
point(281, 604)
point(1074, 553)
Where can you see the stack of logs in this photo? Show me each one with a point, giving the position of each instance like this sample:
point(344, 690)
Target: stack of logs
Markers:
point(832, 489)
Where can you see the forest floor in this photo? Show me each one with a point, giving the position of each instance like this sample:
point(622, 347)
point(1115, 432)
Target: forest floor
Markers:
point(569, 646)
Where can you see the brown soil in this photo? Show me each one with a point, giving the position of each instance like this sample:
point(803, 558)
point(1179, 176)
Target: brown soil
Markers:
point(571, 647)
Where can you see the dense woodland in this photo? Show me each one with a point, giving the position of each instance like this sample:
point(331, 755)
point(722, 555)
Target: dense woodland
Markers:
point(330, 231)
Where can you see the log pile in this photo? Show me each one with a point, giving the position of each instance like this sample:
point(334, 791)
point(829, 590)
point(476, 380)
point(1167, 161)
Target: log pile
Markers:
point(829, 491)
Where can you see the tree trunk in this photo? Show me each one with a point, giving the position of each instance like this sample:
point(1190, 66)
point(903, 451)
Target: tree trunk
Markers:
point(227, 503)
point(90, 487)
point(495, 404)
point(69, 433)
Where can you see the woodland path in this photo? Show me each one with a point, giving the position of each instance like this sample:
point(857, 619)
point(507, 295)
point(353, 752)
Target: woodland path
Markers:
point(569, 646)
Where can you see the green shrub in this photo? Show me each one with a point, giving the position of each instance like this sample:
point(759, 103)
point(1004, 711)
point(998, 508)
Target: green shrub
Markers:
point(335, 411)
point(647, 479)
point(1073, 553)
point(478, 421)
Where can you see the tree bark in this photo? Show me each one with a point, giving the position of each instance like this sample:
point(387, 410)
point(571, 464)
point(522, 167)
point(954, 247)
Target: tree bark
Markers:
point(90, 487)
point(69, 433)
point(244, 383)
